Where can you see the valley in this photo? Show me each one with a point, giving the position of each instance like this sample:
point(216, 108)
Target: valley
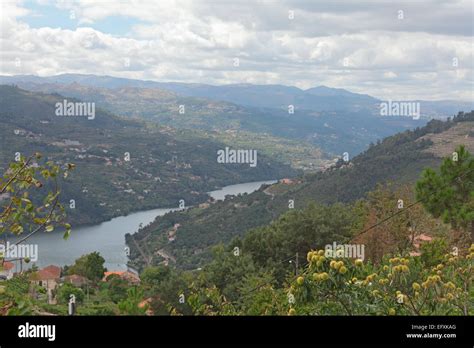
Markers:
point(122, 165)
point(398, 159)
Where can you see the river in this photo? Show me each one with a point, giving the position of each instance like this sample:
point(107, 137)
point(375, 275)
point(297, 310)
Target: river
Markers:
point(108, 238)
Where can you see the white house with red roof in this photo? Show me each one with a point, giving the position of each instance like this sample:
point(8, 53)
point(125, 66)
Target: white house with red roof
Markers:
point(7, 269)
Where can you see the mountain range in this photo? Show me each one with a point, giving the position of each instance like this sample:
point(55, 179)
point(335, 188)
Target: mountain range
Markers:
point(324, 120)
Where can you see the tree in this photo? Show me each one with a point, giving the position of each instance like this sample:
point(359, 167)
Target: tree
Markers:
point(152, 276)
point(30, 204)
point(66, 290)
point(130, 305)
point(22, 213)
point(397, 234)
point(90, 266)
point(449, 194)
point(116, 288)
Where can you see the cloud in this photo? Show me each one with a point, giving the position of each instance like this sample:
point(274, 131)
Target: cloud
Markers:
point(364, 47)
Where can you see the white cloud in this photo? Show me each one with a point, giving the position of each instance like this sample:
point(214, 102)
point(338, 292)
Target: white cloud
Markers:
point(362, 47)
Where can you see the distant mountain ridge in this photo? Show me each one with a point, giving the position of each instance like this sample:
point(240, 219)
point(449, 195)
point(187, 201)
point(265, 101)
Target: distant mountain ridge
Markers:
point(350, 129)
point(319, 98)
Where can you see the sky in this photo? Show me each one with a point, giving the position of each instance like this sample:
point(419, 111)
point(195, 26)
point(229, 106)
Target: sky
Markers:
point(389, 49)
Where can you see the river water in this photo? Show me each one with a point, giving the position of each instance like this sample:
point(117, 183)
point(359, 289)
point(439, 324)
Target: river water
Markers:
point(108, 238)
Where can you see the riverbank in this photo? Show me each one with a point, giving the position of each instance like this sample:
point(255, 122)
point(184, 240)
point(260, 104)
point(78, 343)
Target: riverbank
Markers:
point(108, 238)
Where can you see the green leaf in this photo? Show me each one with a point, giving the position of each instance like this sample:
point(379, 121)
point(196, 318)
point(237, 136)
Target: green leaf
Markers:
point(67, 234)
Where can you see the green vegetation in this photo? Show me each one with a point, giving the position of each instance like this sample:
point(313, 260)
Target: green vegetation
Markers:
point(446, 195)
point(398, 159)
point(165, 166)
point(90, 266)
point(258, 256)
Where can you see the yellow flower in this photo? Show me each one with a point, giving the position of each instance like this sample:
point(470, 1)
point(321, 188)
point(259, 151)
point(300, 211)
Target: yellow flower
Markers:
point(324, 276)
point(416, 286)
point(320, 252)
point(359, 262)
point(316, 276)
point(449, 296)
point(314, 258)
point(300, 280)
point(386, 268)
point(332, 264)
point(391, 311)
point(342, 269)
point(371, 277)
point(292, 311)
point(450, 285)
point(319, 263)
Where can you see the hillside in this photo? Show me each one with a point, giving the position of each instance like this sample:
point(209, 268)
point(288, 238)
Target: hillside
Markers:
point(319, 98)
point(326, 122)
point(399, 159)
point(164, 165)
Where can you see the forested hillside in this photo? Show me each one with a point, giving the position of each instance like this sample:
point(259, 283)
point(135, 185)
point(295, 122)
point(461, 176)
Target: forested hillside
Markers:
point(122, 165)
point(398, 159)
point(324, 119)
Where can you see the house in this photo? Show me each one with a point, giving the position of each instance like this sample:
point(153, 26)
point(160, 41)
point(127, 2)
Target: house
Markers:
point(76, 280)
point(47, 278)
point(125, 275)
point(6, 270)
point(286, 181)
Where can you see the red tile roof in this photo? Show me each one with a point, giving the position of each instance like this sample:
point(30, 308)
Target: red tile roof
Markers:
point(47, 273)
point(7, 266)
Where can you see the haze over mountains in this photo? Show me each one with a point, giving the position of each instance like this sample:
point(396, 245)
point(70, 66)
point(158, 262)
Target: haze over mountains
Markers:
point(320, 98)
point(325, 120)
